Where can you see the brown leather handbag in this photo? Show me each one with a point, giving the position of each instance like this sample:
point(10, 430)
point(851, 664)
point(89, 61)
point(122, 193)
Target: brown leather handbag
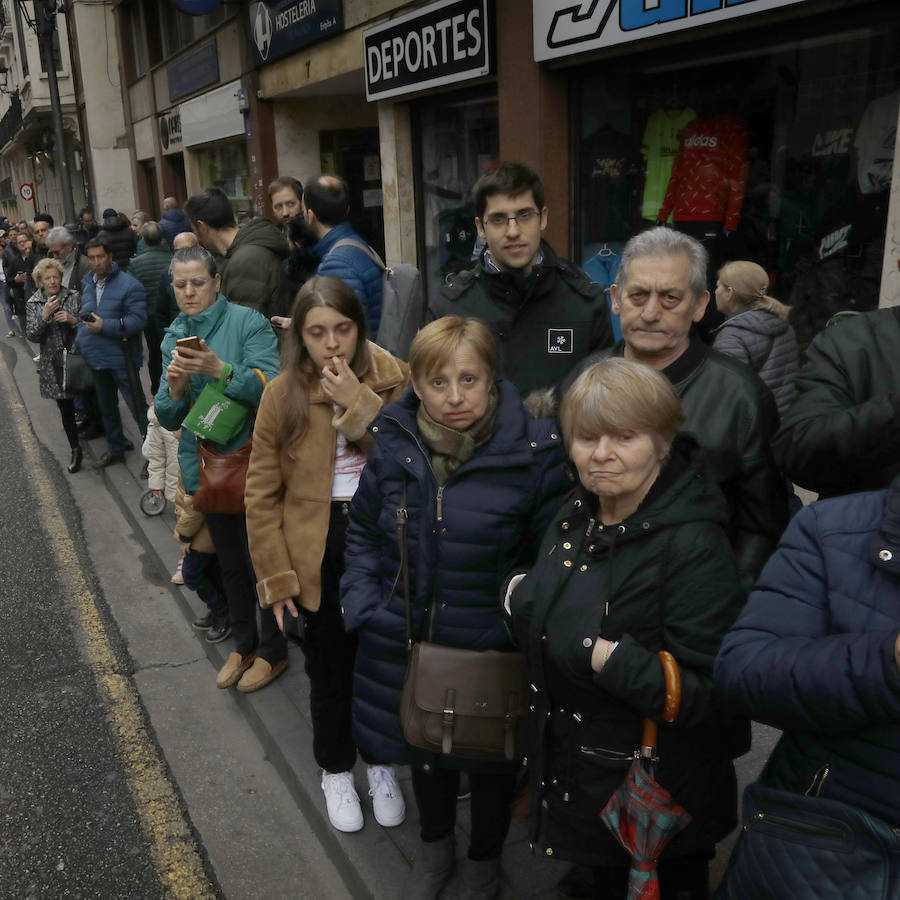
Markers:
point(463, 703)
point(223, 476)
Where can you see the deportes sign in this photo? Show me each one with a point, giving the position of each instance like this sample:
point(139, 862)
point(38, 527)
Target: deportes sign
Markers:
point(563, 27)
point(438, 44)
point(278, 27)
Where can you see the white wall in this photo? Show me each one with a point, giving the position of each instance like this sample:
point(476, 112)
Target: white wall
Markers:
point(106, 142)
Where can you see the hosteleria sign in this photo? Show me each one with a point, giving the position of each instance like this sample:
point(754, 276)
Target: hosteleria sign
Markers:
point(279, 27)
point(563, 27)
point(438, 44)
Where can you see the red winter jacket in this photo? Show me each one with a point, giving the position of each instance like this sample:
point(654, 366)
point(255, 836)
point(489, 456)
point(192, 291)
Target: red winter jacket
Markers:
point(709, 175)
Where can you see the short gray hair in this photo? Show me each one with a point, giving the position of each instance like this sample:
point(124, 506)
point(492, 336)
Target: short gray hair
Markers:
point(152, 234)
point(661, 241)
point(194, 254)
point(60, 236)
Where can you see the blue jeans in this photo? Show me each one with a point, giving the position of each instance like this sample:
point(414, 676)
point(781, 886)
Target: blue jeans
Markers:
point(109, 383)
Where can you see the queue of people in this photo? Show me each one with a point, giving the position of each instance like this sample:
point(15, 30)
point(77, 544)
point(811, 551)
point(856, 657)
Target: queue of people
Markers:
point(577, 510)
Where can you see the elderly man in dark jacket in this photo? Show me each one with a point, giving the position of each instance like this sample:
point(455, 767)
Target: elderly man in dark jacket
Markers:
point(544, 312)
point(816, 652)
point(147, 268)
point(253, 254)
point(110, 343)
point(62, 246)
point(842, 433)
point(660, 291)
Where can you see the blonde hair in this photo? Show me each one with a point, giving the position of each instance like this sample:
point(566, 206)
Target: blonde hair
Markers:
point(37, 275)
point(620, 395)
point(438, 342)
point(750, 285)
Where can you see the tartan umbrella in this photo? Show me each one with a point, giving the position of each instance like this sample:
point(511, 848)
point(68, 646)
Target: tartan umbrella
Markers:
point(641, 814)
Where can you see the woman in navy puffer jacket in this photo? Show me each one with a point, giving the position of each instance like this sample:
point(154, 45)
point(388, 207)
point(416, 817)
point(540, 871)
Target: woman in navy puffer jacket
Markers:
point(816, 652)
point(480, 481)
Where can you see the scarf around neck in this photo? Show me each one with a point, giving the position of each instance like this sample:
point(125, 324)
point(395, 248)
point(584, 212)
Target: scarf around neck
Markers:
point(451, 448)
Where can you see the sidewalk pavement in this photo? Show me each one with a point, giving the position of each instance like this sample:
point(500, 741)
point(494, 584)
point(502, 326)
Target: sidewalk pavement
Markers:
point(374, 862)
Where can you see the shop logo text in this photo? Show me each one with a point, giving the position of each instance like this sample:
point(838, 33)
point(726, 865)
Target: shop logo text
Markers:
point(437, 44)
point(563, 27)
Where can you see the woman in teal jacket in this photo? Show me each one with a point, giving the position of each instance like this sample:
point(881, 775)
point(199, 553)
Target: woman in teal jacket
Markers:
point(244, 338)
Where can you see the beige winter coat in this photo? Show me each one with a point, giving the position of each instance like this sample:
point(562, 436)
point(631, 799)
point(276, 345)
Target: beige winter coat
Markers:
point(288, 494)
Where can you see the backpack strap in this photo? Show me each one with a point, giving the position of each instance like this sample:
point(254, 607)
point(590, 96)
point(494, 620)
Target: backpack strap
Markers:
point(349, 242)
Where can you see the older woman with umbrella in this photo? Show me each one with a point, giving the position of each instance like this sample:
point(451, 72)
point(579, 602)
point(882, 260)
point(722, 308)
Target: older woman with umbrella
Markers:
point(636, 562)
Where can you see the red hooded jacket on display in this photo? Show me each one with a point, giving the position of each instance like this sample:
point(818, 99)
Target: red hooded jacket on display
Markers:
point(709, 175)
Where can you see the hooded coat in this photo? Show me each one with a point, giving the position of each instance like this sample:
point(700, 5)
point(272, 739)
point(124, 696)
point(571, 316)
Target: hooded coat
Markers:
point(812, 653)
point(545, 323)
point(253, 265)
point(663, 579)
point(463, 540)
point(173, 222)
point(766, 343)
point(120, 238)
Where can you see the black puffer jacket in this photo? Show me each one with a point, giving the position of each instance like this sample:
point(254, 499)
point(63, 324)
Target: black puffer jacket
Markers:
point(663, 579)
point(766, 343)
point(464, 539)
point(842, 433)
point(544, 324)
point(732, 415)
point(121, 240)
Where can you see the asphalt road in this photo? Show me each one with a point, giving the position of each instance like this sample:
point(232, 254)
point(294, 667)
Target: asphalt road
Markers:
point(124, 771)
point(69, 822)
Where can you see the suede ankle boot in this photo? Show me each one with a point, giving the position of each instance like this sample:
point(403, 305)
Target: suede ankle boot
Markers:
point(432, 869)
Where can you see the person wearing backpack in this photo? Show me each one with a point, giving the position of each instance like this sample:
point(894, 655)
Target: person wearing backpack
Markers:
point(326, 211)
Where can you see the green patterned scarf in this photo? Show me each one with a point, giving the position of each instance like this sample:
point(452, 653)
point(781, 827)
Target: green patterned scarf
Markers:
point(451, 448)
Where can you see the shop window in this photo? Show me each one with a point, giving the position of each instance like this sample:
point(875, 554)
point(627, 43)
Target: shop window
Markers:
point(134, 50)
point(225, 166)
point(153, 31)
point(783, 157)
point(177, 29)
point(457, 140)
point(354, 154)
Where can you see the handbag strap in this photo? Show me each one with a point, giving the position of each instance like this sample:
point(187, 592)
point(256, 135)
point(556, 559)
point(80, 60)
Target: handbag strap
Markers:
point(223, 378)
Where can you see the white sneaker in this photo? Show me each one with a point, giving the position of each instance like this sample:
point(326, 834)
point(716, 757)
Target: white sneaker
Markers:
point(342, 801)
point(387, 798)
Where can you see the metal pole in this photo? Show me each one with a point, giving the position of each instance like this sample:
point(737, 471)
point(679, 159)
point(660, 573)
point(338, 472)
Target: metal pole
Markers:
point(45, 20)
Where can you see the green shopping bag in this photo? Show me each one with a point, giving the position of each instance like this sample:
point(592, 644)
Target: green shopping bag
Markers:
point(215, 417)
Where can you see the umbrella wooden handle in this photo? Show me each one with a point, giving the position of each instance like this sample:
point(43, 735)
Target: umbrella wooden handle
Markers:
point(673, 704)
point(648, 739)
point(673, 685)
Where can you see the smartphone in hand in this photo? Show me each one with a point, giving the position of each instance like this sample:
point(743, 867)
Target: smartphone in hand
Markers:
point(86, 317)
point(188, 343)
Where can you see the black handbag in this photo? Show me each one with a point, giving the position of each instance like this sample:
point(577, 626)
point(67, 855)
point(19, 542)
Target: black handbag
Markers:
point(799, 847)
point(73, 375)
point(469, 704)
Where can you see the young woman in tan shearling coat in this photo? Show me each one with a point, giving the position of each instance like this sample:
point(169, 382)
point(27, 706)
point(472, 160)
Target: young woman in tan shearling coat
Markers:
point(309, 448)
